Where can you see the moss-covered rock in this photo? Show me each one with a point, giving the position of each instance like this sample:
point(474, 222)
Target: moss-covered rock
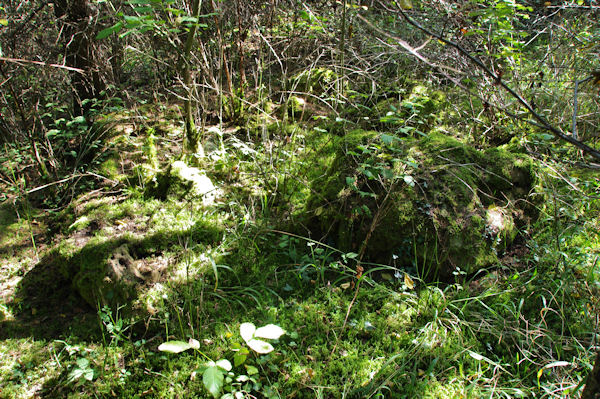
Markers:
point(296, 107)
point(433, 203)
point(418, 111)
point(182, 181)
point(109, 272)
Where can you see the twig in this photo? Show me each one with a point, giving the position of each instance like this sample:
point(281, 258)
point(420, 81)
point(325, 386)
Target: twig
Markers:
point(577, 83)
point(20, 60)
point(71, 178)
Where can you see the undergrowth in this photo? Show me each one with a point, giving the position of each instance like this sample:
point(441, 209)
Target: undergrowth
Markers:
point(525, 327)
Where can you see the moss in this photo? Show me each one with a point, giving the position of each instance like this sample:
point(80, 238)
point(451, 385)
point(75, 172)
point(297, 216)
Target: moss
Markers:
point(180, 181)
point(445, 209)
point(150, 151)
point(316, 81)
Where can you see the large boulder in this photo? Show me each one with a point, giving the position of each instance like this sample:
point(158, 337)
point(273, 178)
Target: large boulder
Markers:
point(432, 205)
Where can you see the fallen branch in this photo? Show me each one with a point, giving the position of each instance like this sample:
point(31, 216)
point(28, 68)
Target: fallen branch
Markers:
point(22, 61)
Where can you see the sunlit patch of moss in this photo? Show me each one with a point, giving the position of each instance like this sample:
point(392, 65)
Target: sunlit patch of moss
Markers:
point(25, 366)
point(110, 168)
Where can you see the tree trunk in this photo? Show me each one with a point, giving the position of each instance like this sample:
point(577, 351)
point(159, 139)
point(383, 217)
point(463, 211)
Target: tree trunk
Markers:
point(192, 137)
point(79, 51)
point(592, 385)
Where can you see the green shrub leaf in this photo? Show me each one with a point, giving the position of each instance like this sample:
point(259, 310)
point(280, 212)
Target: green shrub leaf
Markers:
point(247, 331)
point(213, 380)
point(259, 346)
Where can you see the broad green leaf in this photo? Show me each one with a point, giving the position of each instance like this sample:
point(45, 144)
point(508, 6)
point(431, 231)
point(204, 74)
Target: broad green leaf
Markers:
point(259, 346)
point(387, 139)
point(224, 364)
point(270, 331)
point(405, 4)
point(88, 374)
point(213, 380)
point(3, 22)
point(239, 359)
point(104, 33)
point(77, 120)
point(247, 331)
point(174, 346)
point(77, 373)
point(251, 370)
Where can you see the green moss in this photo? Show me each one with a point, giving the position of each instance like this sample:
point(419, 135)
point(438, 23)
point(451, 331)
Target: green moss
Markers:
point(316, 80)
point(180, 181)
point(437, 209)
point(110, 168)
point(150, 151)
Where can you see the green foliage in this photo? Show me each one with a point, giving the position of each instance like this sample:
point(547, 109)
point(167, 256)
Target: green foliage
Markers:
point(506, 18)
point(381, 184)
point(159, 17)
point(215, 374)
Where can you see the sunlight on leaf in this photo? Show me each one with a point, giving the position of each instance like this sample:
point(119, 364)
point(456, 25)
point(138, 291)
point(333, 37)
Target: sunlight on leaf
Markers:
point(213, 380)
point(409, 282)
point(259, 346)
point(270, 331)
point(247, 331)
point(224, 364)
point(175, 346)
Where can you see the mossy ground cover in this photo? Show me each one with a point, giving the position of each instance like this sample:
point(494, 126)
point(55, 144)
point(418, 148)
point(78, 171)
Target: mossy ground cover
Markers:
point(524, 328)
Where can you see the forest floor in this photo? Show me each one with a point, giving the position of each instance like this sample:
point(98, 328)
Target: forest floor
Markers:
point(526, 328)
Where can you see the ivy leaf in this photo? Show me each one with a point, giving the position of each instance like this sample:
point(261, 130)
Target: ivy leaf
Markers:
point(213, 380)
point(270, 331)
